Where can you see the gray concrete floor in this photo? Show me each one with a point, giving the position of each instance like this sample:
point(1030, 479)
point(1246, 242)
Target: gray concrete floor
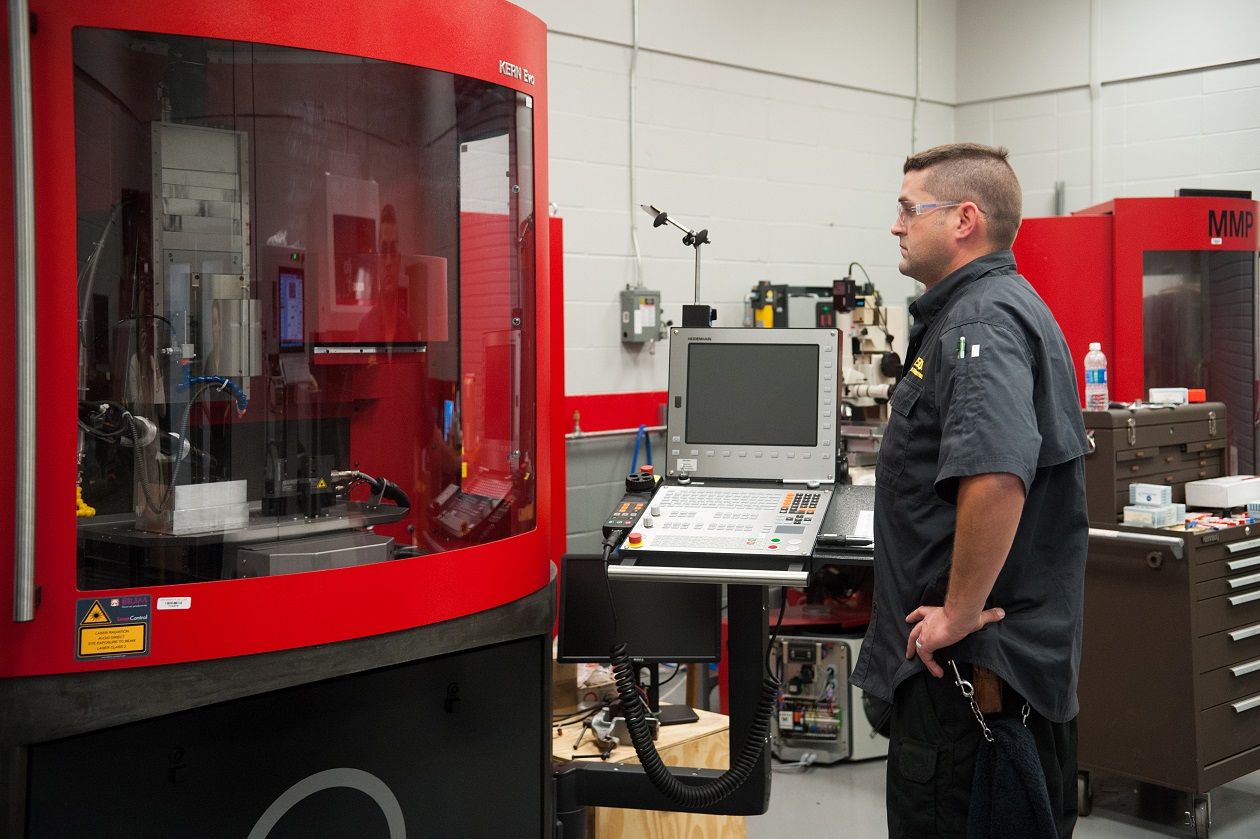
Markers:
point(847, 800)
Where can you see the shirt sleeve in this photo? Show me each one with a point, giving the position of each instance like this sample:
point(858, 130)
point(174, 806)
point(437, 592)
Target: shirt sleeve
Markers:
point(987, 413)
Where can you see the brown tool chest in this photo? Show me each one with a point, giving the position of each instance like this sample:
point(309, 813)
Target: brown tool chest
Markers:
point(1151, 444)
point(1170, 665)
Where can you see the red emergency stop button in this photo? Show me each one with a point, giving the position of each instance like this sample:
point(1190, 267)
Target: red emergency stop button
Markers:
point(635, 540)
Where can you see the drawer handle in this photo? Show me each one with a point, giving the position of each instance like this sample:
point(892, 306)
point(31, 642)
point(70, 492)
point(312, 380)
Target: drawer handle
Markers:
point(1240, 582)
point(1245, 545)
point(1244, 669)
point(1240, 564)
point(1244, 633)
point(1173, 543)
point(1247, 704)
point(1240, 599)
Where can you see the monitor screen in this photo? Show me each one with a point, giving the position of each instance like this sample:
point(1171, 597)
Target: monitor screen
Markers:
point(753, 404)
point(292, 330)
point(658, 622)
point(752, 394)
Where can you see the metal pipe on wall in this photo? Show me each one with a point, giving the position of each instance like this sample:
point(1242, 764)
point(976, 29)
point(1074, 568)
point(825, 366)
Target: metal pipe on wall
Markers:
point(918, 76)
point(634, 95)
point(24, 314)
point(615, 432)
point(1095, 101)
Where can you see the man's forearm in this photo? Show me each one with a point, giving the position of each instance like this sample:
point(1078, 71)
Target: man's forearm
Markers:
point(989, 507)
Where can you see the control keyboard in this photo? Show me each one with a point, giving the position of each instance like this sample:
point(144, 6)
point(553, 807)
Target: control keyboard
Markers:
point(741, 521)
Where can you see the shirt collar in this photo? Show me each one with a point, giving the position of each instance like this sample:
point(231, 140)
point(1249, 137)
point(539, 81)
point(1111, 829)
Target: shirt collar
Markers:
point(932, 301)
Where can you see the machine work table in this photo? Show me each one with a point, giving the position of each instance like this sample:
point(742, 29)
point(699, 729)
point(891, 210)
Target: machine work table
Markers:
point(704, 744)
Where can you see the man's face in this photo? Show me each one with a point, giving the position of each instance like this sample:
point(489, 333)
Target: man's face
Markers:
point(390, 259)
point(927, 250)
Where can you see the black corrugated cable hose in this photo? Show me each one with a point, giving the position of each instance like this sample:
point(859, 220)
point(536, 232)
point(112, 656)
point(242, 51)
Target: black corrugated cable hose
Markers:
point(388, 489)
point(690, 795)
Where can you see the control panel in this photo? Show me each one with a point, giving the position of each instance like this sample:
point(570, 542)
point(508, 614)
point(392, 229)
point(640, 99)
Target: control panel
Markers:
point(730, 520)
point(627, 512)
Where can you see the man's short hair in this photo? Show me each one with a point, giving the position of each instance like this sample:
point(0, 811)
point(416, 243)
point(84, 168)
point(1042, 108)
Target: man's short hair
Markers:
point(979, 173)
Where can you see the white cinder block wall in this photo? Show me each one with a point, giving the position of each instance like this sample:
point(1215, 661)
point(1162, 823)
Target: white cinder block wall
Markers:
point(781, 128)
point(1178, 95)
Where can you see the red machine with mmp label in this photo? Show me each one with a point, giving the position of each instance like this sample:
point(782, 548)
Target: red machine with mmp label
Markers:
point(1168, 287)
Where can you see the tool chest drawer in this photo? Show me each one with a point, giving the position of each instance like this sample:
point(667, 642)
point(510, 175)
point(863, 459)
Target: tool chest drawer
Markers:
point(1134, 475)
point(1239, 546)
point(1229, 728)
point(1229, 684)
point(1150, 444)
point(1157, 470)
point(1227, 647)
point(1227, 611)
point(1216, 586)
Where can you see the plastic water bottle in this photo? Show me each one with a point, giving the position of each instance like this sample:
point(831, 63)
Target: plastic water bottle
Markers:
point(1096, 397)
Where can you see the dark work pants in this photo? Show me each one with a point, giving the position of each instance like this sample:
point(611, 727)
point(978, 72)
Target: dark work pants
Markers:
point(932, 757)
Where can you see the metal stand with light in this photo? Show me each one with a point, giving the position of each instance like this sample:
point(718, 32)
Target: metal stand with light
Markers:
point(696, 314)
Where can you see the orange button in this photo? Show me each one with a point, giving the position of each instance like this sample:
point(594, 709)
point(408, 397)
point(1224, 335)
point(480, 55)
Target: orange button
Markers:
point(634, 540)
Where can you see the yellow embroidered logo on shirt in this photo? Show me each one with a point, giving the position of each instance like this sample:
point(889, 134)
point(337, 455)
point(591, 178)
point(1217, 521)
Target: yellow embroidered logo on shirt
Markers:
point(917, 369)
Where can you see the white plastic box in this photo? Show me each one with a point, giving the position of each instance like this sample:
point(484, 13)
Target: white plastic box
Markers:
point(1168, 395)
point(1220, 493)
point(1143, 516)
point(1151, 495)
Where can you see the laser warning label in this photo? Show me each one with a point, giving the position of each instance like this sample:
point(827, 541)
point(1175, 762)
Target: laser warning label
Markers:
point(112, 627)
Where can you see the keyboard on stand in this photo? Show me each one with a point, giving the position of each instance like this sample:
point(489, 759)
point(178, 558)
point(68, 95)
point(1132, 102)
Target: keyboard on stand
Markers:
point(759, 522)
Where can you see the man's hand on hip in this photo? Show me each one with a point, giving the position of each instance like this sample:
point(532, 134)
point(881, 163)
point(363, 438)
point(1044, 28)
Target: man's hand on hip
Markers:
point(935, 627)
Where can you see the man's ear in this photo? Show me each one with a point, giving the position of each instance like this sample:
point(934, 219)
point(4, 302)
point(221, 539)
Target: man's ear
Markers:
point(970, 223)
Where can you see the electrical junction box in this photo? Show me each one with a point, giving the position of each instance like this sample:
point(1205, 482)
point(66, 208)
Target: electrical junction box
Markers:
point(819, 712)
point(640, 316)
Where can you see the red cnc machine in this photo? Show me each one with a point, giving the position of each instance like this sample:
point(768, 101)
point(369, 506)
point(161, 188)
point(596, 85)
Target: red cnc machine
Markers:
point(317, 433)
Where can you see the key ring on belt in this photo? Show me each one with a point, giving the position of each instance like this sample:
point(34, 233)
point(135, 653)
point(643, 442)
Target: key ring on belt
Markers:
point(969, 691)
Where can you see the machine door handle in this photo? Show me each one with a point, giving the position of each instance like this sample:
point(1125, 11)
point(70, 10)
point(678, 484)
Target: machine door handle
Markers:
point(24, 312)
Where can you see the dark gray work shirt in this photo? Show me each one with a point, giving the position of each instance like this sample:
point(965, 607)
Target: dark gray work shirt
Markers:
point(989, 386)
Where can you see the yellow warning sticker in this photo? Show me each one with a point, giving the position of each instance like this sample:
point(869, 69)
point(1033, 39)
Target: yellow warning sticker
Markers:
point(322, 484)
point(95, 615)
point(112, 640)
point(112, 626)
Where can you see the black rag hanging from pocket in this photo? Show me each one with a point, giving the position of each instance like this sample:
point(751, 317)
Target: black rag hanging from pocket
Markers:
point(1009, 799)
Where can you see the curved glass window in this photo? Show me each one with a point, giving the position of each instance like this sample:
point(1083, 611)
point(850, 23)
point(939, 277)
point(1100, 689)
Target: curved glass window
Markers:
point(306, 326)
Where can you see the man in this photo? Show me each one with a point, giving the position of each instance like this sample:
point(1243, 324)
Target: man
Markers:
point(980, 518)
point(388, 321)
